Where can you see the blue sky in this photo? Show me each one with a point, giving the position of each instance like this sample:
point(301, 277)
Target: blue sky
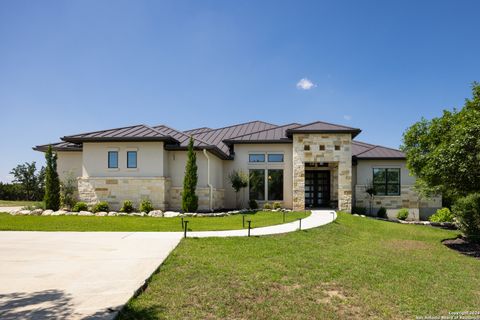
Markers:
point(75, 66)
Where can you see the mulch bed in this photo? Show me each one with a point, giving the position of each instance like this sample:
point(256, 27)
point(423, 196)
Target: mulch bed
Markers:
point(463, 246)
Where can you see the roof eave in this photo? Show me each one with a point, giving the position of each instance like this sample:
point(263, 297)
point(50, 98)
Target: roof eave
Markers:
point(354, 133)
point(278, 141)
point(380, 158)
point(117, 139)
point(213, 149)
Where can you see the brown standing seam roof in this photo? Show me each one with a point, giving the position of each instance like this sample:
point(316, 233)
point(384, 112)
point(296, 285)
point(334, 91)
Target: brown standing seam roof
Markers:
point(273, 135)
point(362, 150)
point(323, 127)
point(197, 130)
point(60, 146)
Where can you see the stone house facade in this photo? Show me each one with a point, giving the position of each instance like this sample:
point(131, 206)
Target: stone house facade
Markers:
point(300, 166)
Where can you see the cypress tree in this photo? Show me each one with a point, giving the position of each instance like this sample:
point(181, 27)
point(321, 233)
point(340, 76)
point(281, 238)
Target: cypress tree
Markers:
point(189, 198)
point(52, 182)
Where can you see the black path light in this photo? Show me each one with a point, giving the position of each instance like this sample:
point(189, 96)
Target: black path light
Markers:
point(249, 226)
point(300, 221)
point(182, 223)
point(284, 216)
point(243, 221)
point(185, 228)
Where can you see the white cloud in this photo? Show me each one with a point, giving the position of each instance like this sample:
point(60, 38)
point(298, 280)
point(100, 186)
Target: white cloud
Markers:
point(305, 84)
point(347, 117)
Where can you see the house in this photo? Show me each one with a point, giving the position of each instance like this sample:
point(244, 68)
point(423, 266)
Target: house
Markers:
point(299, 165)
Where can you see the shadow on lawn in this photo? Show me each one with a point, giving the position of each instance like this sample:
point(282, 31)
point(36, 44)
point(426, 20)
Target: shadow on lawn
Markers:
point(47, 304)
point(147, 313)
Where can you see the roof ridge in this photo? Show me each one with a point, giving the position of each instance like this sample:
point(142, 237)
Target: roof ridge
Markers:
point(181, 132)
point(90, 132)
point(201, 128)
point(236, 125)
point(247, 134)
point(329, 123)
point(377, 146)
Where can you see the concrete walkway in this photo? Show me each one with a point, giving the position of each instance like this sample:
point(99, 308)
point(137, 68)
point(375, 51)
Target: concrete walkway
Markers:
point(91, 275)
point(10, 209)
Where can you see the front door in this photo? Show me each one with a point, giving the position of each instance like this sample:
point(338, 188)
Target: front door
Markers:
point(317, 188)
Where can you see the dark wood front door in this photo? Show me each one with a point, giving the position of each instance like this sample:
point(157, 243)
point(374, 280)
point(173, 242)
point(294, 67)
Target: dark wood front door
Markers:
point(317, 188)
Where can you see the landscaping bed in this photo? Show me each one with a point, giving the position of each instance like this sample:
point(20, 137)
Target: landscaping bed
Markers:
point(463, 246)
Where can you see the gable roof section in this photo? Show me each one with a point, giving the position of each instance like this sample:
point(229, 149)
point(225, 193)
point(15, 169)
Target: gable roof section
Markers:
point(197, 130)
point(139, 132)
point(272, 135)
point(216, 136)
point(59, 146)
point(366, 151)
point(323, 127)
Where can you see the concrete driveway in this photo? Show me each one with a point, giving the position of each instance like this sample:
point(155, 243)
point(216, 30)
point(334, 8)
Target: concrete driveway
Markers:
point(76, 275)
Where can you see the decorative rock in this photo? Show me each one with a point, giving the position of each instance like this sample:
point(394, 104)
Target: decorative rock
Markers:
point(59, 213)
point(36, 212)
point(156, 213)
point(71, 213)
point(112, 214)
point(121, 214)
point(24, 212)
point(85, 213)
point(101, 214)
point(138, 214)
point(47, 213)
point(171, 214)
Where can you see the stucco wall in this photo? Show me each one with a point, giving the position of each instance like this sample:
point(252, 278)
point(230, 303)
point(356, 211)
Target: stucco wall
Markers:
point(67, 162)
point(365, 170)
point(241, 163)
point(149, 159)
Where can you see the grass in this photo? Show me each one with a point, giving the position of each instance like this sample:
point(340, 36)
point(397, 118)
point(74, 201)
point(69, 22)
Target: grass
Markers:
point(354, 268)
point(125, 223)
point(12, 203)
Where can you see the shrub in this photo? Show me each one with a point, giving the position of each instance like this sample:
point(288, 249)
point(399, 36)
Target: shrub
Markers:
point(127, 206)
point(67, 191)
point(402, 214)
point(101, 207)
point(252, 204)
point(442, 215)
point(189, 198)
point(467, 212)
point(277, 205)
point(267, 206)
point(359, 210)
point(382, 212)
point(146, 206)
point(80, 206)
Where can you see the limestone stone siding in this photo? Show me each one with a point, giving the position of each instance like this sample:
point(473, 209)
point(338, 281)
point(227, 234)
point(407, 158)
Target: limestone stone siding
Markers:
point(342, 158)
point(408, 198)
point(116, 190)
point(203, 198)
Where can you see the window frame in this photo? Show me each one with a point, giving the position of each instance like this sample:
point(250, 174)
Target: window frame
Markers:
point(268, 184)
point(275, 154)
point(256, 154)
point(261, 190)
point(136, 159)
point(387, 183)
point(109, 164)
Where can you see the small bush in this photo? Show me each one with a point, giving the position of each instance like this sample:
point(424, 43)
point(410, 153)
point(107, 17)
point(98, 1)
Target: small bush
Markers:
point(80, 206)
point(442, 215)
point(359, 210)
point(382, 212)
point(146, 206)
point(127, 207)
point(402, 214)
point(100, 207)
point(467, 212)
point(267, 206)
point(277, 205)
point(252, 204)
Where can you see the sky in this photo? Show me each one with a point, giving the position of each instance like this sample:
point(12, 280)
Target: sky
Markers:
point(76, 66)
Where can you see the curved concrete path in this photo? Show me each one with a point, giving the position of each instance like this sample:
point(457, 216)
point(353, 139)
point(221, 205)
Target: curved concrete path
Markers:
point(316, 219)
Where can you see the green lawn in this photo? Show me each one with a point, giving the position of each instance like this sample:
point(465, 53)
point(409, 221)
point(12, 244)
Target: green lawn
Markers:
point(81, 223)
point(354, 268)
point(11, 203)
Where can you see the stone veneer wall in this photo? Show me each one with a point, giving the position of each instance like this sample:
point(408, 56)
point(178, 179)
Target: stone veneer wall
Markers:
point(203, 198)
point(342, 157)
point(116, 190)
point(408, 198)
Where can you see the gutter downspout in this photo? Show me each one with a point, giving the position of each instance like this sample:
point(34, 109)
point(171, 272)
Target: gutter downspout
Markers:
point(208, 180)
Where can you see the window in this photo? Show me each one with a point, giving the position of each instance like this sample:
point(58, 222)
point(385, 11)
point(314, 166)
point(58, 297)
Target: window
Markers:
point(275, 184)
point(386, 181)
point(256, 157)
point(257, 184)
point(275, 157)
point(321, 147)
point(131, 159)
point(112, 159)
point(337, 147)
point(306, 147)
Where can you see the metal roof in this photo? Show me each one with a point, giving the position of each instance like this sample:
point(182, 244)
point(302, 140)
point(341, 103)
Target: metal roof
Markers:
point(197, 130)
point(273, 135)
point(323, 127)
point(60, 146)
point(362, 150)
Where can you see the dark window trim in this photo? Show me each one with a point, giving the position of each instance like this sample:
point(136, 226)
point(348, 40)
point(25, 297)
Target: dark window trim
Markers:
point(108, 160)
point(268, 184)
point(386, 184)
point(136, 160)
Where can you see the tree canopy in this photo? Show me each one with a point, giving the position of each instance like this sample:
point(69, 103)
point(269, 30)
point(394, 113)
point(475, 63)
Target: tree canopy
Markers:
point(444, 153)
point(31, 181)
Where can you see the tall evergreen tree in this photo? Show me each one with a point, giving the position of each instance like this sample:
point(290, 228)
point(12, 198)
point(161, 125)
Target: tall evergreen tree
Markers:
point(52, 182)
point(189, 198)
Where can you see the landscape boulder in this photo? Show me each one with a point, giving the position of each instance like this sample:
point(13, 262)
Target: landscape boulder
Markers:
point(47, 213)
point(85, 213)
point(171, 214)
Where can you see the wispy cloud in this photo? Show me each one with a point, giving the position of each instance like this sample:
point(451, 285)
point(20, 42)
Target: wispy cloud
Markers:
point(305, 84)
point(347, 117)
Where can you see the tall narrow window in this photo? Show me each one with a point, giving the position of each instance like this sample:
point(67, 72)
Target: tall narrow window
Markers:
point(112, 159)
point(386, 181)
point(257, 184)
point(275, 184)
point(131, 159)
